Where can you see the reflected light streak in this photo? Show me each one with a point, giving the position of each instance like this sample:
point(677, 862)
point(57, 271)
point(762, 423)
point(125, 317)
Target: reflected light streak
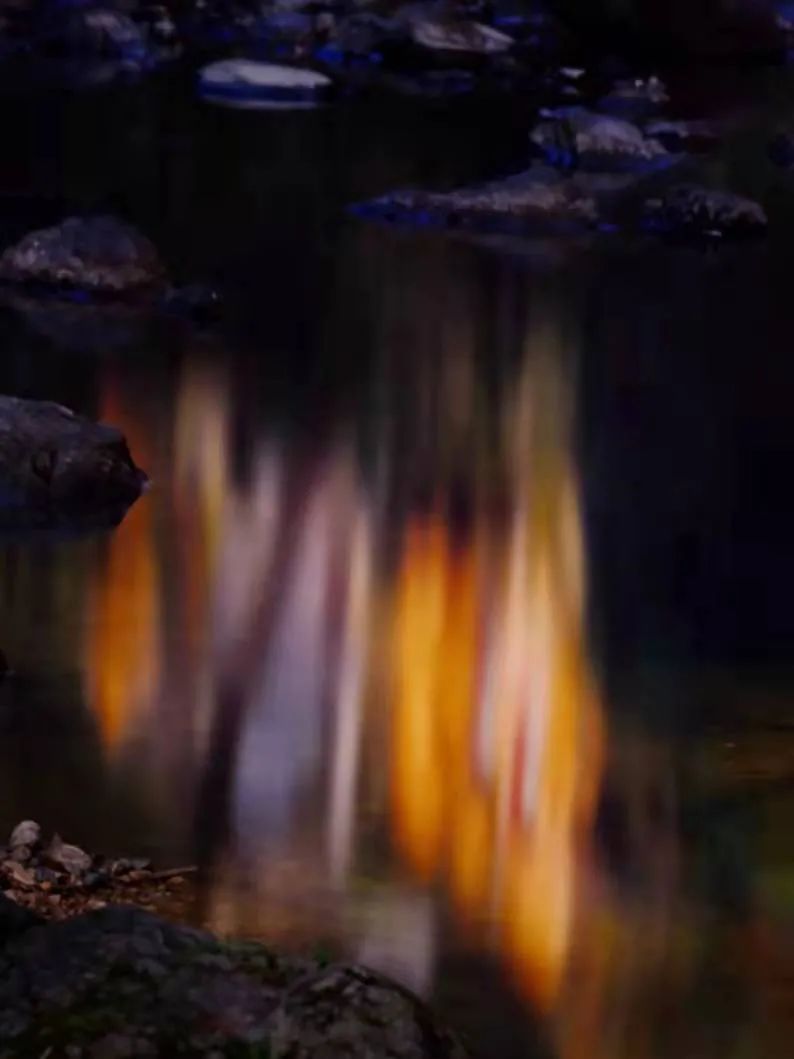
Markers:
point(124, 663)
point(496, 753)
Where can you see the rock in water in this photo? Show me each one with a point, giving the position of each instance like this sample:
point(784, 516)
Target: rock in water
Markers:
point(534, 202)
point(170, 990)
point(351, 1011)
point(573, 137)
point(26, 833)
point(71, 859)
point(100, 254)
point(460, 36)
point(104, 32)
point(245, 83)
point(56, 465)
point(692, 212)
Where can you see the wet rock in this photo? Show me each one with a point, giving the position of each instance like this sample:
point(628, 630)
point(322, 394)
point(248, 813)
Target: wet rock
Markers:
point(576, 138)
point(353, 1012)
point(100, 980)
point(53, 462)
point(459, 36)
point(359, 39)
point(96, 254)
point(244, 82)
point(71, 859)
point(105, 32)
point(537, 200)
point(26, 833)
point(692, 212)
point(16, 875)
point(635, 98)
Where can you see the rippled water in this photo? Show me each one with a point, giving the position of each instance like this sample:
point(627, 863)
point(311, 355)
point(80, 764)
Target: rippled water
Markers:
point(454, 633)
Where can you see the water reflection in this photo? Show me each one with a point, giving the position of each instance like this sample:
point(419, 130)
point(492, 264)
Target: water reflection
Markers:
point(365, 682)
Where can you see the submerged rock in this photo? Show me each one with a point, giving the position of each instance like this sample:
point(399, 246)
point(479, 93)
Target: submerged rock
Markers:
point(536, 201)
point(693, 212)
point(576, 138)
point(244, 82)
point(99, 254)
point(54, 463)
point(120, 975)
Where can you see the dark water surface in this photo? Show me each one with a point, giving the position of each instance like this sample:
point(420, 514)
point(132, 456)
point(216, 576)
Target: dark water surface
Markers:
point(455, 632)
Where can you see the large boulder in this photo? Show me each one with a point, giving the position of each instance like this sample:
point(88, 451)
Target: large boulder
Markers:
point(536, 201)
point(55, 464)
point(577, 138)
point(120, 982)
point(99, 254)
point(688, 211)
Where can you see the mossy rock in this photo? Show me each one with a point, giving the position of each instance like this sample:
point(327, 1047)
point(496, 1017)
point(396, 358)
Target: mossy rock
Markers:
point(121, 983)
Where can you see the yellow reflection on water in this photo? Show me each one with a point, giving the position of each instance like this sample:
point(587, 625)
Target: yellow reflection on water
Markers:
point(496, 752)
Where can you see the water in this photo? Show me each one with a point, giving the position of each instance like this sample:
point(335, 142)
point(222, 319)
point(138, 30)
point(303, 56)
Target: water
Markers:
point(454, 633)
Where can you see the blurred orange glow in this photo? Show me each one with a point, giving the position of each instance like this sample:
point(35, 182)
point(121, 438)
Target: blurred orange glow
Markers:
point(497, 738)
point(124, 639)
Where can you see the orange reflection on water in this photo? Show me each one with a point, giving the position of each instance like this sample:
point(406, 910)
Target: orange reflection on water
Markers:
point(125, 636)
point(496, 728)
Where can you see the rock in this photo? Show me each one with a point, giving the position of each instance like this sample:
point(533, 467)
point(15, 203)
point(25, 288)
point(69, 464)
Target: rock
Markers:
point(17, 875)
point(689, 211)
point(54, 463)
point(243, 82)
point(358, 39)
point(353, 1012)
point(97, 254)
point(71, 859)
point(183, 992)
point(573, 137)
point(537, 200)
point(105, 32)
point(90, 33)
point(460, 36)
point(635, 98)
point(26, 833)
